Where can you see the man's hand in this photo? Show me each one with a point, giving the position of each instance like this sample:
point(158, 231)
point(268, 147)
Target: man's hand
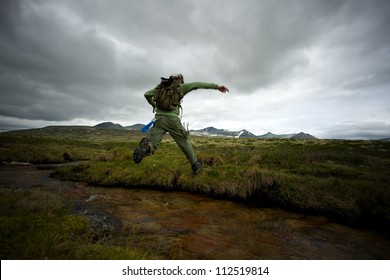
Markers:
point(222, 88)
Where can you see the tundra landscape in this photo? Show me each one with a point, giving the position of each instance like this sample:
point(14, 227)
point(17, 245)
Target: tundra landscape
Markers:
point(345, 182)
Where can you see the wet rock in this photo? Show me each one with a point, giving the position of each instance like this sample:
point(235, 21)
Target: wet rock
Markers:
point(96, 197)
point(101, 225)
point(17, 163)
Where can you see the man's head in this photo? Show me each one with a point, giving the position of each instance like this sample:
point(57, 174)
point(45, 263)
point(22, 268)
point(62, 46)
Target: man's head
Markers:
point(178, 77)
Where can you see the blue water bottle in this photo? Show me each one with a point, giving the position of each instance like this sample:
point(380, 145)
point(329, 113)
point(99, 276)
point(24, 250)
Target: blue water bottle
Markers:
point(149, 125)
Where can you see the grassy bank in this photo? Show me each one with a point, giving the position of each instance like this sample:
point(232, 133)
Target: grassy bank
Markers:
point(36, 224)
point(345, 180)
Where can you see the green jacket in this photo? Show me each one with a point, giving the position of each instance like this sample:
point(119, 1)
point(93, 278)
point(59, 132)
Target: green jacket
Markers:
point(185, 88)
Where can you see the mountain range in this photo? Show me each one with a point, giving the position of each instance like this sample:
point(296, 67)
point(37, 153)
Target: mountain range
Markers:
point(215, 132)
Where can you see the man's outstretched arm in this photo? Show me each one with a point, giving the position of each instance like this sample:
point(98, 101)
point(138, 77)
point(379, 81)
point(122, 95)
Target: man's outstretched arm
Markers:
point(201, 85)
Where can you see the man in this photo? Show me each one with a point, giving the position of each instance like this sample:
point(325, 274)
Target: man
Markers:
point(169, 121)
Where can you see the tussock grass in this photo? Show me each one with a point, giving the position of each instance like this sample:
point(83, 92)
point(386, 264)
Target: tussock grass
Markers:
point(347, 180)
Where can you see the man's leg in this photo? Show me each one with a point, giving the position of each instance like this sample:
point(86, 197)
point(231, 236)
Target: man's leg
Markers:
point(141, 151)
point(149, 144)
point(156, 134)
point(180, 136)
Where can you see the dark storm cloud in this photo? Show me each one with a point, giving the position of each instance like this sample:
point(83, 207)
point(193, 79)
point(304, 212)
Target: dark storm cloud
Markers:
point(66, 60)
point(263, 41)
point(55, 66)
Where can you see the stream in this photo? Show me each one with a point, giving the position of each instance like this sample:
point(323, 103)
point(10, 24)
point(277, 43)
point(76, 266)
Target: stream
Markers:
point(188, 226)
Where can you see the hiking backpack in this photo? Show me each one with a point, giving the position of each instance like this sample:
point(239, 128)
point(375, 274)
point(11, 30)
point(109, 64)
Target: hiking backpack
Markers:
point(167, 94)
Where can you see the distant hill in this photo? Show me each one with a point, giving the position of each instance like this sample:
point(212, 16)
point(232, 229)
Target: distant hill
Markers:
point(137, 126)
point(207, 132)
point(270, 135)
point(216, 132)
point(109, 125)
point(212, 131)
point(302, 135)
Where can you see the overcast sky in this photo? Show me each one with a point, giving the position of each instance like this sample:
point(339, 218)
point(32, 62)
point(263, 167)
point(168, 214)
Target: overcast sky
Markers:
point(321, 67)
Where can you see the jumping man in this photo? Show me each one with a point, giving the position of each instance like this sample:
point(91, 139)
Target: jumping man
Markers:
point(168, 120)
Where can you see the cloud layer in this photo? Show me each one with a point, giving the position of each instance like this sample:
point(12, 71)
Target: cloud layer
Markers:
point(322, 67)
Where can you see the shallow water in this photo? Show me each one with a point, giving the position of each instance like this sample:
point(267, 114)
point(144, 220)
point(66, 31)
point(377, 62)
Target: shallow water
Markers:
point(180, 225)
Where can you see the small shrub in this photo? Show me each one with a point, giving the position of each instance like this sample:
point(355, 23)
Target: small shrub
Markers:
point(211, 160)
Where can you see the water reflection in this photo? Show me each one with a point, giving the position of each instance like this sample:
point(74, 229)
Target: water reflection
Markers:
point(188, 226)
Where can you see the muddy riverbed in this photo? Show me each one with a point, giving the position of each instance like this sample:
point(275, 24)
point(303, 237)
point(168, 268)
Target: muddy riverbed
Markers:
point(180, 225)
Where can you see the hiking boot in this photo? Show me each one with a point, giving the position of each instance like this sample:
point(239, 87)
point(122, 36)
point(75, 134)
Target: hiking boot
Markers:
point(197, 166)
point(141, 151)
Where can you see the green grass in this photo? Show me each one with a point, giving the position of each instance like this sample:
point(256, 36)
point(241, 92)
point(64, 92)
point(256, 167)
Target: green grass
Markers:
point(346, 180)
point(37, 225)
